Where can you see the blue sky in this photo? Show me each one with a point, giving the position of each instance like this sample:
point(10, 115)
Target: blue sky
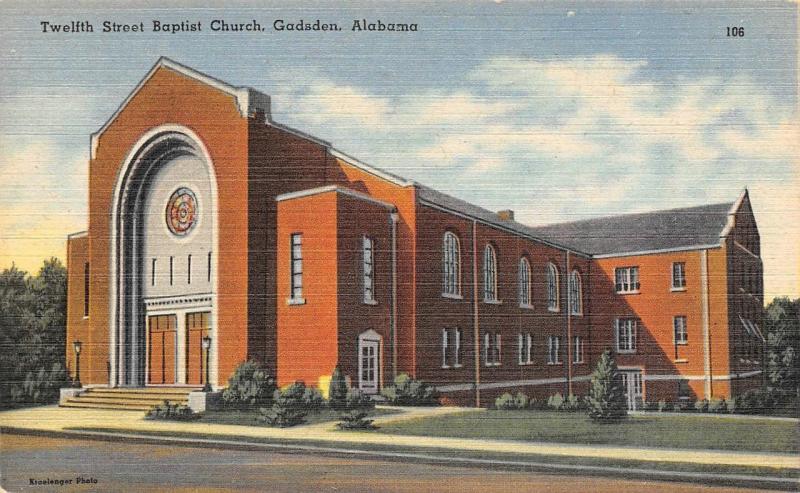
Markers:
point(559, 111)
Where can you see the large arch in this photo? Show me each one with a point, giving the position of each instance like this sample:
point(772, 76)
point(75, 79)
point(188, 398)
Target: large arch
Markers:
point(151, 154)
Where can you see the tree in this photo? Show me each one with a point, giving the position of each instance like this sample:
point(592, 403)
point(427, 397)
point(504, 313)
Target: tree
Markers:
point(32, 334)
point(783, 342)
point(606, 398)
point(337, 390)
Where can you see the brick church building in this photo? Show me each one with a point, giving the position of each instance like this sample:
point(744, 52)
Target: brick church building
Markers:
point(209, 219)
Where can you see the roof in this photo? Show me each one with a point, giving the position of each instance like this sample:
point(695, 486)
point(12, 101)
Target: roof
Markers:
point(672, 229)
point(434, 197)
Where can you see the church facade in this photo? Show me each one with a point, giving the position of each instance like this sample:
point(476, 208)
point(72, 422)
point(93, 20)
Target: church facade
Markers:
point(207, 219)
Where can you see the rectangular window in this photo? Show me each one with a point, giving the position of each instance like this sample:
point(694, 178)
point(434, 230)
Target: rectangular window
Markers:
point(189, 269)
point(368, 270)
point(208, 268)
point(525, 349)
point(297, 267)
point(679, 324)
point(553, 350)
point(457, 349)
point(627, 279)
point(491, 349)
point(678, 276)
point(153, 264)
point(577, 349)
point(626, 335)
point(171, 262)
point(444, 349)
point(86, 276)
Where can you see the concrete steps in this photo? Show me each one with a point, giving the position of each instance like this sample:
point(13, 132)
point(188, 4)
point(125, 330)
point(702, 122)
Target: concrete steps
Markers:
point(131, 399)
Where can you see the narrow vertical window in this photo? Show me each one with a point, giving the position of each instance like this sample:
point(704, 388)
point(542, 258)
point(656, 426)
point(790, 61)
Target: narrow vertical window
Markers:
point(497, 348)
point(679, 325)
point(368, 267)
point(525, 349)
point(627, 279)
point(678, 276)
point(445, 343)
point(553, 350)
point(208, 268)
point(86, 276)
point(457, 351)
point(489, 274)
point(451, 265)
point(577, 349)
point(552, 287)
point(486, 349)
point(297, 267)
point(575, 293)
point(524, 282)
point(189, 269)
point(520, 341)
point(153, 265)
point(171, 262)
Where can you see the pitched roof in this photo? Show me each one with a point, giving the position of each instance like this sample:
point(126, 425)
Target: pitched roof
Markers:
point(631, 233)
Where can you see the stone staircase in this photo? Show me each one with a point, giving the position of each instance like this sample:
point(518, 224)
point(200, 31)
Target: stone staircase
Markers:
point(128, 398)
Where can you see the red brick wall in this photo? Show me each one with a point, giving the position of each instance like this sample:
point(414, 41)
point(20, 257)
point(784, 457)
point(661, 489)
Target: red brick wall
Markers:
point(78, 328)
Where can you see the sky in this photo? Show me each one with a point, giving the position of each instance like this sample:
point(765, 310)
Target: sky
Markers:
point(559, 111)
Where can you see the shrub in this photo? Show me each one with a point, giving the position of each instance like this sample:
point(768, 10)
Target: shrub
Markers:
point(337, 390)
point(249, 387)
point(409, 392)
point(717, 406)
point(537, 404)
point(508, 401)
point(358, 408)
point(606, 400)
point(664, 406)
point(312, 399)
point(754, 401)
point(288, 408)
point(701, 406)
point(171, 412)
point(573, 403)
point(555, 401)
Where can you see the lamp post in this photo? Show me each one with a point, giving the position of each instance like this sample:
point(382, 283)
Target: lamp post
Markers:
point(206, 347)
point(76, 345)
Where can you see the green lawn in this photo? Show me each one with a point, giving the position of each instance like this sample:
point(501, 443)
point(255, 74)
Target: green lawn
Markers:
point(693, 432)
point(250, 418)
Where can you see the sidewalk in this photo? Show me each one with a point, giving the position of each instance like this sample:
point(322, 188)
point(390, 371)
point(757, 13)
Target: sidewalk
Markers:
point(56, 419)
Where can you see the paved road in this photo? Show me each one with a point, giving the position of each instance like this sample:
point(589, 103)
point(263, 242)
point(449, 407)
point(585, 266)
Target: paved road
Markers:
point(140, 467)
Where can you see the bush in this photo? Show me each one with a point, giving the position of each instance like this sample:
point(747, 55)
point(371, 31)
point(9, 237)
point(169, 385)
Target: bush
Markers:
point(249, 387)
point(288, 408)
point(337, 390)
point(508, 401)
point(555, 401)
point(606, 400)
point(312, 399)
point(358, 407)
point(754, 401)
point(573, 403)
point(40, 387)
point(537, 404)
point(701, 406)
point(664, 406)
point(171, 412)
point(717, 406)
point(409, 392)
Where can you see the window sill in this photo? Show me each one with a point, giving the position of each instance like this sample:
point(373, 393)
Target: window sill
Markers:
point(681, 360)
point(452, 296)
point(525, 363)
point(553, 310)
point(491, 365)
point(626, 351)
point(682, 343)
point(526, 306)
point(629, 292)
point(295, 301)
point(445, 367)
point(678, 290)
point(86, 317)
point(458, 366)
point(578, 362)
point(576, 314)
point(492, 302)
point(371, 302)
point(557, 363)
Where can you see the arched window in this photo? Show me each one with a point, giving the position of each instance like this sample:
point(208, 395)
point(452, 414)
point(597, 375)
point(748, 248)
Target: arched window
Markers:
point(575, 294)
point(489, 274)
point(524, 282)
point(451, 265)
point(552, 287)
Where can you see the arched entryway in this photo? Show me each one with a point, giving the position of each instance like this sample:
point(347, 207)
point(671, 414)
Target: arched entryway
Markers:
point(163, 262)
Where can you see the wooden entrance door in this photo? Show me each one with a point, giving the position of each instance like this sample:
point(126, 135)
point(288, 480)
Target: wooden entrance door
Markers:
point(196, 329)
point(368, 366)
point(162, 343)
